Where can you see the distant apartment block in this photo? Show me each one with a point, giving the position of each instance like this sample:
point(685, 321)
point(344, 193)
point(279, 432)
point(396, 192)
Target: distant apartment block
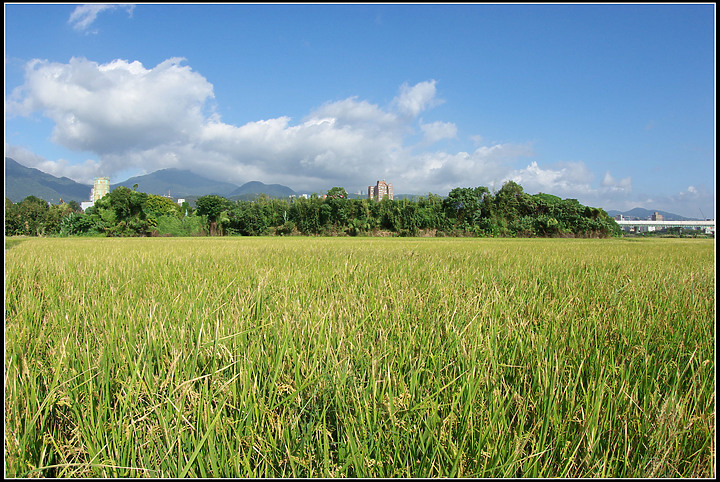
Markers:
point(100, 188)
point(656, 216)
point(380, 190)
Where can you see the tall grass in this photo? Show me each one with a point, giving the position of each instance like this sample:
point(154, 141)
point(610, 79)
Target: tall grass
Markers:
point(326, 357)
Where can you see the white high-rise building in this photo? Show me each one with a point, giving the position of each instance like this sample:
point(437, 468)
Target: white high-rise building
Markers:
point(100, 188)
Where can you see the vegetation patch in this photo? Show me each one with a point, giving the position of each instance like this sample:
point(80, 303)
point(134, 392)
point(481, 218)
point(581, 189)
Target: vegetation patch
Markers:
point(477, 212)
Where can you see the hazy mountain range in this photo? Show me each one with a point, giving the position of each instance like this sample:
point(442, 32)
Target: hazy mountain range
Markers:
point(21, 181)
point(642, 213)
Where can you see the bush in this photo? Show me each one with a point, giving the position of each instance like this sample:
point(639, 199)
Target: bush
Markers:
point(76, 223)
point(174, 226)
point(286, 229)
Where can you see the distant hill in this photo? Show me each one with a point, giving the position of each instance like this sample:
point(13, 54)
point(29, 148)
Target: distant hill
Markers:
point(642, 213)
point(255, 188)
point(21, 182)
point(177, 183)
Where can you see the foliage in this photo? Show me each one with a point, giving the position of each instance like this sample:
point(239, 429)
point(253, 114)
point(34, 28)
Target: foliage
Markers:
point(215, 208)
point(34, 217)
point(157, 206)
point(172, 225)
point(475, 211)
point(76, 223)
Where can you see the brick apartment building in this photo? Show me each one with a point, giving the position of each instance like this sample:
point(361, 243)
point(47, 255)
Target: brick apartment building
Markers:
point(380, 190)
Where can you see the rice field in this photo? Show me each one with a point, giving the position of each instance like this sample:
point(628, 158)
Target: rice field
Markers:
point(359, 357)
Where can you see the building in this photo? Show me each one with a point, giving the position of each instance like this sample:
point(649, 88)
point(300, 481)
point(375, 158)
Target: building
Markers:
point(380, 190)
point(656, 216)
point(100, 188)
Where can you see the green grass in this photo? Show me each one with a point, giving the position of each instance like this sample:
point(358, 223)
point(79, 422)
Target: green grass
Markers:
point(326, 357)
point(14, 241)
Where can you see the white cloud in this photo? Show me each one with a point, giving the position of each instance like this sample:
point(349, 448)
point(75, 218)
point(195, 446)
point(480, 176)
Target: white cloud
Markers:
point(115, 107)
point(608, 180)
point(85, 15)
point(125, 116)
point(439, 172)
point(414, 99)
point(571, 179)
point(152, 118)
point(611, 184)
point(436, 131)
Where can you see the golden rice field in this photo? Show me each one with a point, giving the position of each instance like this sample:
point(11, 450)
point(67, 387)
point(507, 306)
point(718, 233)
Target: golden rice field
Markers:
point(359, 357)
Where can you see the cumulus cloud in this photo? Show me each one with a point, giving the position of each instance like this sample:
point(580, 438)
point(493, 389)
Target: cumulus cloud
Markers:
point(564, 177)
point(152, 118)
point(114, 107)
point(85, 15)
point(414, 99)
point(570, 179)
point(442, 171)
point(123, 115)
point(436, 131)
point(609, 183)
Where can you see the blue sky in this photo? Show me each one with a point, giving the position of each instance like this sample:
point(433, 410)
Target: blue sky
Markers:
point(611, 104)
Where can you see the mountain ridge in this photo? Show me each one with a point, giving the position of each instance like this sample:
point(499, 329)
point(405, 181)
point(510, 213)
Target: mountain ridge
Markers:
point(642, 214)
point(22, 181)
point(178, 183)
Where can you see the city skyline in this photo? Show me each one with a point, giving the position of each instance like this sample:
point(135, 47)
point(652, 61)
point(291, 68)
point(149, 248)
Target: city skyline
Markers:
point(610, 104)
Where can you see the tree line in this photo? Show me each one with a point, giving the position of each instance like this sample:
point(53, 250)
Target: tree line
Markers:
point(508, 212)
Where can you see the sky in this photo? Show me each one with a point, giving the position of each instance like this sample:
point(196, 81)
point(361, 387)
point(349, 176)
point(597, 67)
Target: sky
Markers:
point(609, 104)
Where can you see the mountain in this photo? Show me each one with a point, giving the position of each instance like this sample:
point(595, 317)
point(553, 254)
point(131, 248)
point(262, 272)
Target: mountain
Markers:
point(642, 213)
point(254, 188)
point(21, 182)
point(177, 183)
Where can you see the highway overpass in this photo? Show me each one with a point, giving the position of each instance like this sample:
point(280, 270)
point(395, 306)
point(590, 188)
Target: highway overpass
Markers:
point(710, 224)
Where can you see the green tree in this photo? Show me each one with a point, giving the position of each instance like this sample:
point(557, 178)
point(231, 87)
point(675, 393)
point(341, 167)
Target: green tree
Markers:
point(509, 201)
point(127, 204)
point(337, 193)
point(76, 223)
point(75, 206)
point(14, 222)
point(55, 214)
point(337, 201)
point(157, 206)
point(212, 206)
point(465, 206)
point(305, 213)
point(34, 213)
